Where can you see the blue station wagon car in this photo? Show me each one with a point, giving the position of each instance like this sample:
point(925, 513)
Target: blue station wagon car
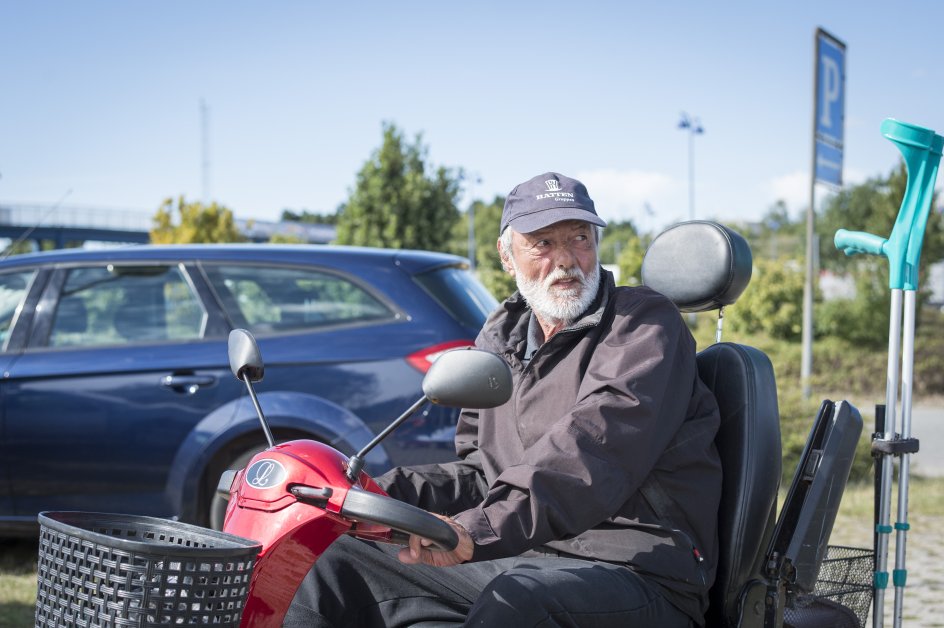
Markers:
point(116, 393)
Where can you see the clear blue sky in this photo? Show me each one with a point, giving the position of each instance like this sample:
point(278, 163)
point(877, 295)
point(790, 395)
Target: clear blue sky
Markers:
point(103, 98)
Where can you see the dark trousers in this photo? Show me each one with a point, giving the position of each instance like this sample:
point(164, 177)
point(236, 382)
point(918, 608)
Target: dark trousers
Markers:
point(359, 584)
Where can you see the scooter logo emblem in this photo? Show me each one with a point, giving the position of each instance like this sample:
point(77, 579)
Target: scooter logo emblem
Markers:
point(265, 473)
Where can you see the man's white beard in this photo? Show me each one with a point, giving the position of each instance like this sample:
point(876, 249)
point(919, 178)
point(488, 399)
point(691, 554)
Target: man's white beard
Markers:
point(556, 305)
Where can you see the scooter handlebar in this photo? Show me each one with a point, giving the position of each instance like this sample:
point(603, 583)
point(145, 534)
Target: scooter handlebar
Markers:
point(853, 242)
point(366, 506)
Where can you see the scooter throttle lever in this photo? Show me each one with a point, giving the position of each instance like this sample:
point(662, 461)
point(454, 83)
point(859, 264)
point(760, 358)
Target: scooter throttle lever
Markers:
point(313, 495)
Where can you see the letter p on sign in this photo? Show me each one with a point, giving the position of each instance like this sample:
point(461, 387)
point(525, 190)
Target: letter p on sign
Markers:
point(831, 79)
point(829, 91)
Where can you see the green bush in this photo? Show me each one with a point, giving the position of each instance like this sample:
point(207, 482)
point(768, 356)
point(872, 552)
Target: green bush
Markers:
point(842, 369)
point(864, 319)
point(772, 303)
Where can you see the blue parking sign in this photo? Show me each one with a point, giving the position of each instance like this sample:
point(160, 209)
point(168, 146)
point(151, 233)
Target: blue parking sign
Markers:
point(830, 107)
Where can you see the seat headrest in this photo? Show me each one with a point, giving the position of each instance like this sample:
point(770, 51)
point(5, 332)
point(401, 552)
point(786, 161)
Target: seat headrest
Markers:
point(700, 265)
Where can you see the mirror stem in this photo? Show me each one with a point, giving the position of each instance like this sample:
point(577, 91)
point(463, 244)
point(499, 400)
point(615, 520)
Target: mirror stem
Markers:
point(356, 463)
point(255, 402)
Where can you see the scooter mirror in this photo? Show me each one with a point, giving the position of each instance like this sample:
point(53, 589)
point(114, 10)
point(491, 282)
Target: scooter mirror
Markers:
point(468, 378)
point(245, 359)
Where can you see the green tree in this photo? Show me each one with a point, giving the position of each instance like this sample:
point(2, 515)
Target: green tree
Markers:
point(306, 216)
point(487, 219)
point(487, 222)
point(285, 238)
point(623, 246)
point(616, 236)
point(872, 207)
point(630, 261)
point(183, 222)
point(777, 234)
point(772, 301)
point(864, 319)
point(396, 204)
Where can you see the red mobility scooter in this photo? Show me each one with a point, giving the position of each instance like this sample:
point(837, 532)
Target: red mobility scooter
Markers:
point(294, 499)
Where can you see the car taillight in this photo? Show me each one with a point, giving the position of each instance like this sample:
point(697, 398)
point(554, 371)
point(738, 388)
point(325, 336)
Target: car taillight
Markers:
point(423, 359)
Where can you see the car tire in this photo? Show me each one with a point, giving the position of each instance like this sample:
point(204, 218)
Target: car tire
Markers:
point(217, 507)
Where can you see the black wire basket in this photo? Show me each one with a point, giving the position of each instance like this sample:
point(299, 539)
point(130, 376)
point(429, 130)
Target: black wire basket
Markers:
point(842, 596)
point(105, 570)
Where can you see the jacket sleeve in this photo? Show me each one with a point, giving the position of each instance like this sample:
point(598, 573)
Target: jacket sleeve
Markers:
point(632, 399)
point(445, 488)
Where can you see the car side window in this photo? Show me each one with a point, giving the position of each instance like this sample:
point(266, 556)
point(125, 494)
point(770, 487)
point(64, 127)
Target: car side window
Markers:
point(114, 305)
point(269, 299)
point(13, 289)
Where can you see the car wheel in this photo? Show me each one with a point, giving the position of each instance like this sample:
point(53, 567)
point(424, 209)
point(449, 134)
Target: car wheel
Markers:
point(218, 504)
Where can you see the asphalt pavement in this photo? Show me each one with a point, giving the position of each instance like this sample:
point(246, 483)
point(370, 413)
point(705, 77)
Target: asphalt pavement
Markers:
point(927, 425)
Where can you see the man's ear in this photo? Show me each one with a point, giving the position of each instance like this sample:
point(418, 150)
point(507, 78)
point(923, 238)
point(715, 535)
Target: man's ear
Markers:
point(505, 262)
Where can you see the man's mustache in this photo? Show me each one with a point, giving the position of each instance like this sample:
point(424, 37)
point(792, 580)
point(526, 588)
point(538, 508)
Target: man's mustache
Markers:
point(559, 274)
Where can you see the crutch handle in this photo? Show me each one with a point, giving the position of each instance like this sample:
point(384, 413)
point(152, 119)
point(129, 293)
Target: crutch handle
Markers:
point(855, 242)
point(921, 149)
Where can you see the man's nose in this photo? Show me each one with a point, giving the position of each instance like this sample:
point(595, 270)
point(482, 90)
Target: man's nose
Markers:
point(564, 257)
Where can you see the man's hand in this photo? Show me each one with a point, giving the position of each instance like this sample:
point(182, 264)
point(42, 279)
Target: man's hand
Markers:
point(424, 551)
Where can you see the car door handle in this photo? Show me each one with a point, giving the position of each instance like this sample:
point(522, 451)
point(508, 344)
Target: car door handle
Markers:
point(187, 383)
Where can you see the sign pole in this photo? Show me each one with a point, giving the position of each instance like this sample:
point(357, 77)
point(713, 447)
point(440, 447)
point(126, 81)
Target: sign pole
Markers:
point(806, 364)
point(828, 121)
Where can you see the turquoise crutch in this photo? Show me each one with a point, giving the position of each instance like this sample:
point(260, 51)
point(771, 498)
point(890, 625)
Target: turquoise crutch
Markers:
point(921, 149)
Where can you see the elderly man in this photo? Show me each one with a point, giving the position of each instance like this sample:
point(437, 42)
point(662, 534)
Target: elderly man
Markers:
point(588, 499)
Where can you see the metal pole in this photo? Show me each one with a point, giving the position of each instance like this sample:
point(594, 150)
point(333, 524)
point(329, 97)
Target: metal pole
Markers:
point(205, 149)
point(901, 525)
point(691, 174)
point(693, 127)
point(806, 356)
point(884, 516)
point(472, 235)
point(806, 364)
point(472, 246)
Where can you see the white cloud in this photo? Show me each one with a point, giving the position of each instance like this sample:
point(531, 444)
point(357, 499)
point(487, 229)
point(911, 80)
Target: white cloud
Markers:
point(854, 177)
point(792, 188)
point(624, 195)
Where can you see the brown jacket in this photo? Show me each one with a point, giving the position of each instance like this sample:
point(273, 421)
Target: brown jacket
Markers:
point(605, 450)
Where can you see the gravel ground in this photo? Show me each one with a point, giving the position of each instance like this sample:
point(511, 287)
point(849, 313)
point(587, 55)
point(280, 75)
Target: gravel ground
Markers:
point(923, 602)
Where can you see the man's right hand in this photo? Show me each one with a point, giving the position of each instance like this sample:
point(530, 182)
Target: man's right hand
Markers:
point(422, 550)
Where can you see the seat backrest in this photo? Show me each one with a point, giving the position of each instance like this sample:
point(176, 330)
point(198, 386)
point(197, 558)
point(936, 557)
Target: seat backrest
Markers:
point(748, 441)
point(701, 266)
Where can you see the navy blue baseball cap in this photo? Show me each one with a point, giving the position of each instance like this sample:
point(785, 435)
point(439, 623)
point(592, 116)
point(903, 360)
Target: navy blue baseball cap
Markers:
point(546, 199)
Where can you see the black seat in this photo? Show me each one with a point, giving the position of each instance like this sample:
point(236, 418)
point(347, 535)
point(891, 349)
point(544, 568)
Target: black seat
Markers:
point(702, 266)
point(748, 442)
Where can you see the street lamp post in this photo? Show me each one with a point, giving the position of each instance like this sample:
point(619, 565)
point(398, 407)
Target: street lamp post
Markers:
point(473, 181)
point(694, 127)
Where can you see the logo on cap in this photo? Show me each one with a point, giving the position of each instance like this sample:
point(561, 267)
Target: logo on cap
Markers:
point(553, 185)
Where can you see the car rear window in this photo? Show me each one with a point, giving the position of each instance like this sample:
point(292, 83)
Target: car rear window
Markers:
point(460, 294)
point(272, 299)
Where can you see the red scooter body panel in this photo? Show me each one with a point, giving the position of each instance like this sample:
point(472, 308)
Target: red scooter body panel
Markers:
point(293, 533)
